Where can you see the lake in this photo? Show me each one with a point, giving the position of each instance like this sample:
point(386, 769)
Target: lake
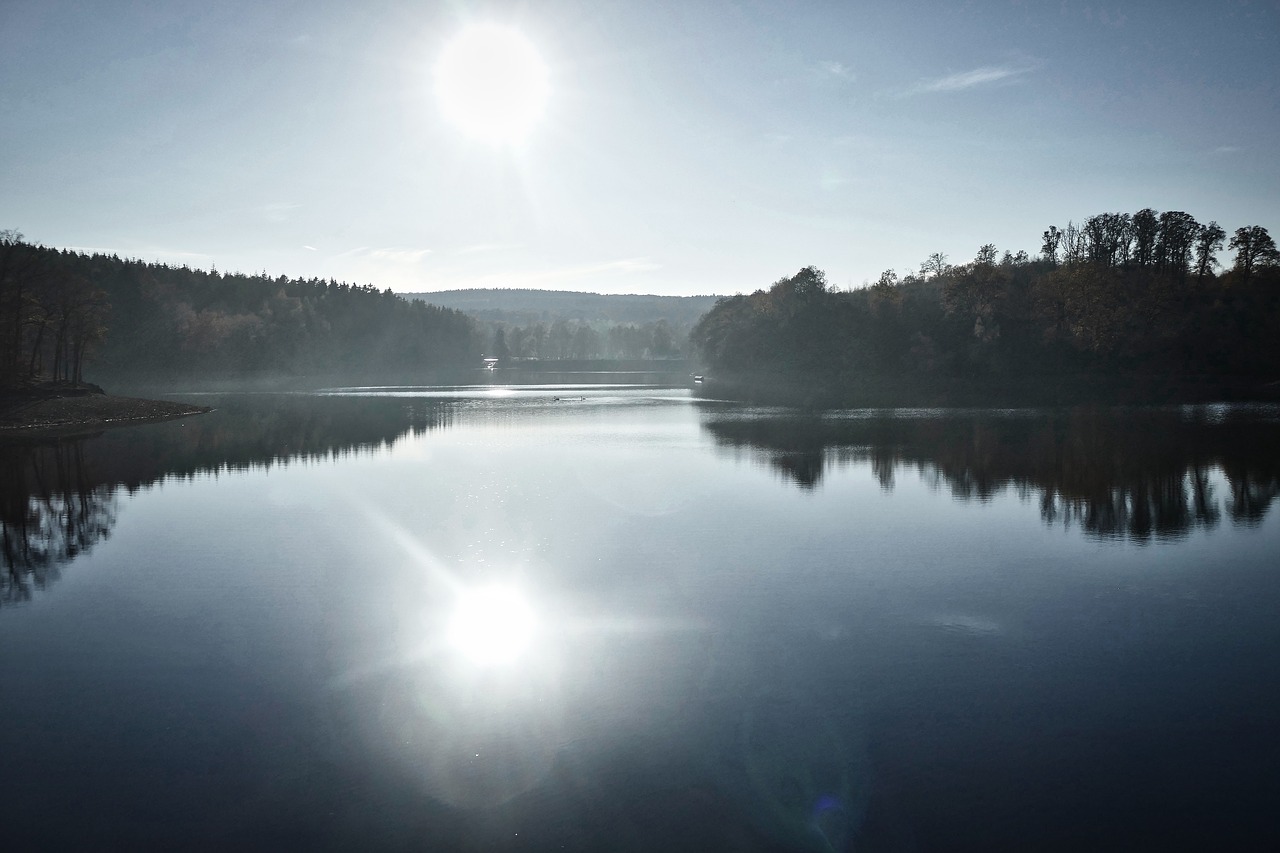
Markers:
point(591, 617)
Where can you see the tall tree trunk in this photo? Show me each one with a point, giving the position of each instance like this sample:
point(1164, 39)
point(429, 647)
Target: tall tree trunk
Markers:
point(35, 350)
point(57, 351)
point(78, 361)
point(13, 357)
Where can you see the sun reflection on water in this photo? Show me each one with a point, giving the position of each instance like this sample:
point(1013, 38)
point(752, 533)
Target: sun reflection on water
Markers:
point(500, 686)
point(492, 625)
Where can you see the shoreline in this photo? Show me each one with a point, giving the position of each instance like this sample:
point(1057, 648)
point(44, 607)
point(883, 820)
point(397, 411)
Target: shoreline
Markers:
point(69, 411)
point(884, 391)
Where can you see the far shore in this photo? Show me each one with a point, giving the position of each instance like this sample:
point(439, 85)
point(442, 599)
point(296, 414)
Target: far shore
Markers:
point(876, 391)
point(57, 410)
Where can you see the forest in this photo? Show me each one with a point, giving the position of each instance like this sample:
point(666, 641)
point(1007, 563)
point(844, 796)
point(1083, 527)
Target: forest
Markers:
point(581, 340)
point(553, 324)
point(140, 322)
point(1138, 297)
point(523, 306)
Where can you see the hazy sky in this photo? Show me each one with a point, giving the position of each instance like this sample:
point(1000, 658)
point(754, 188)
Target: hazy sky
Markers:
point(687, 146)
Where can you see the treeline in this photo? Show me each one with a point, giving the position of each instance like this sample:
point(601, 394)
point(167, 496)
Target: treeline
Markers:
point(570, 339)
point(524, 307)
point(145, 321)
point(51, 316)
point(1137, 295)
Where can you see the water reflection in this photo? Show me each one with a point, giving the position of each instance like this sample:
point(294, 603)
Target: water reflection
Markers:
point(1134, 474)
point(540, 749)
point(471, 737)
point(492, 625)
point(546, 716)
point(58, 498)
point(624, 643)
point(51, 510)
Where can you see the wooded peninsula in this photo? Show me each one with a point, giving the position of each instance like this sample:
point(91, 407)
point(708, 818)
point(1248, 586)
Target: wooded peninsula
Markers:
point(1124, 307)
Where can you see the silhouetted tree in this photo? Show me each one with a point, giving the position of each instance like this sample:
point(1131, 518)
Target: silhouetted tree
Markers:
point(1049, 246)
point(1108, 237)
point(22, 271)
point(885, 292)
point(1208, 242)
point(1146, 233)
point(1176, 238)
point(977, 291)
point(1254, 247)
point(934, 265)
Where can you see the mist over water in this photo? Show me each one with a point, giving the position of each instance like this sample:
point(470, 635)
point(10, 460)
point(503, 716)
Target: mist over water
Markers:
point(613, 617)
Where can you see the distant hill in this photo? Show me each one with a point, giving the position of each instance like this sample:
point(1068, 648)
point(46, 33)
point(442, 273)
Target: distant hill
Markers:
point(524, 307)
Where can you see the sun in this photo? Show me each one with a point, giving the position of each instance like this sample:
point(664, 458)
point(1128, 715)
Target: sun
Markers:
point(491, 83)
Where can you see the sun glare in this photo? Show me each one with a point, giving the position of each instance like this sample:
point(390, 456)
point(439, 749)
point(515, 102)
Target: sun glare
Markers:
point(492, 625)
point(491, 83)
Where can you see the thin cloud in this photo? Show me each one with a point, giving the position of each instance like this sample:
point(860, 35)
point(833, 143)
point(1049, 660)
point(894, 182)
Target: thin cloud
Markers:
point(311, 248)
point(965, 80)
point(280, 211)
point(837, 69)
point(400, 256)
point(1226, 149)
point(390, 255)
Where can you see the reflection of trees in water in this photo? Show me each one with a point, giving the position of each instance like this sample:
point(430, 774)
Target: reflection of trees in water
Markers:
point(1251, 492)
point(58, 498)
point(1163, 505)
point(49, 513)
point(246, 432)
point(1111, 472)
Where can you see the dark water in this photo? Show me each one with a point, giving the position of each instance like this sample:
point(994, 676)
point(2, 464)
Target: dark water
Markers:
point(615, 618)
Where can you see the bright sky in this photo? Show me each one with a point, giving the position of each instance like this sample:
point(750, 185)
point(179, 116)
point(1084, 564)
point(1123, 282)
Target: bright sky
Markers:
point(685, 146)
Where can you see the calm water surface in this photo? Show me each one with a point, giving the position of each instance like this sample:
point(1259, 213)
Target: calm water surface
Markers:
point(617, 618)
